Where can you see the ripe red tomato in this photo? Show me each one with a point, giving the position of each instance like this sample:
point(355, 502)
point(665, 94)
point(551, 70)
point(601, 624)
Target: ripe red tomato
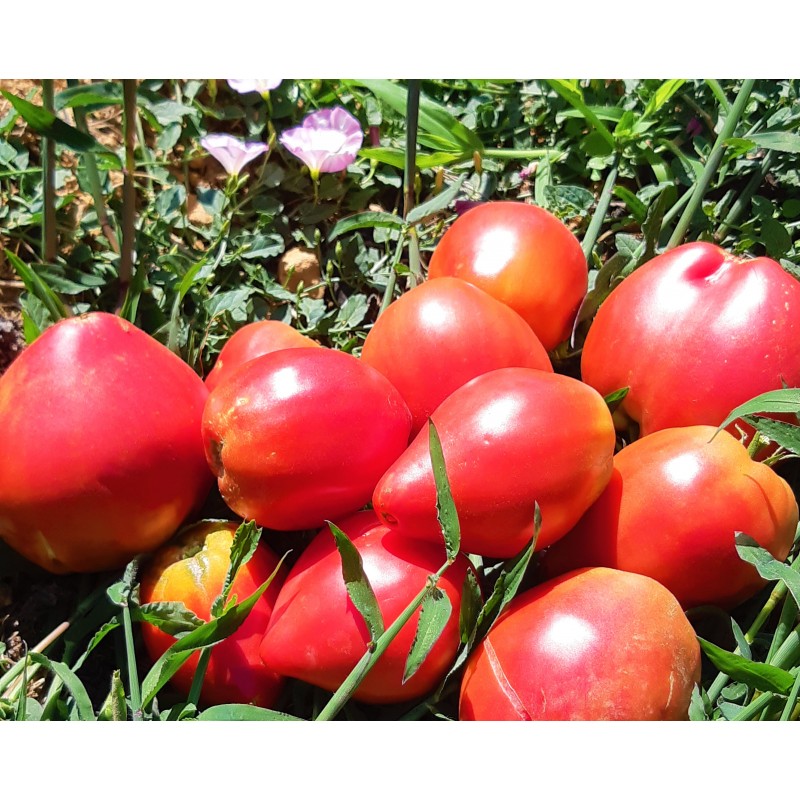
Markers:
point(253, 340)
point(101, 427)
point(191, 570)
point(300, 436)
point(595, 644)
point(510, 438)
point(315, 633)
point(671, 510)
point(523, 256)
point(694, 333)
point(452, 330)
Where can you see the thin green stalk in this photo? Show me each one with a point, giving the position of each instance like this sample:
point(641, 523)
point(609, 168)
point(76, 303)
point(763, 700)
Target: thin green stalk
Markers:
point(509, 154)
point(742, 202)
point(792, 701)
point(714, 159)
point(603, 202)
point(49, 241)
point(754, 708)
point(392, 279)
point(369, 659)
point(133, 672)
point(93, 175)
point(786, 621)
point(678, 205)
point(128, 192)
point(199, 676)
point(719, 93)
point(410, 175)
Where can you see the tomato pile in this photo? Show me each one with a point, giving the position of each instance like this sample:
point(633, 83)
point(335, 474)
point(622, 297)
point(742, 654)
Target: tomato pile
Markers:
point(116, 442)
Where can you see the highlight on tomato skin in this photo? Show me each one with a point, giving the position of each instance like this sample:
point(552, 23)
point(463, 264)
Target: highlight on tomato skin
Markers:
point(593, 644)
point(316, 634)
point(694, 333)
point(512, 438)
point(671, 511)
point(523, 256)
point(441, 334)
point(191, 570)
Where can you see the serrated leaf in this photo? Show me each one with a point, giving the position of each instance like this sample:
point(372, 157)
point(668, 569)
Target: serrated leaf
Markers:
point(357, 583)
point(777, 401)
point(228, 301)
point(171, 617)
point(366, 219)
point(245, 541)
point(783, 433)
point(435, 204)
point(756, 675)
point(114, 708)
point(83, 705)
point(446, 511)
point(614, 399)
point(433, 617)
point(239, 712)
point(768, 567)
point(47, 124)
point(471, 602)
point(777, 140)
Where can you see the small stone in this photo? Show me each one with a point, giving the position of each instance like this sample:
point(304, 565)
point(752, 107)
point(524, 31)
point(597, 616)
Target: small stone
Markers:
point(301, 265)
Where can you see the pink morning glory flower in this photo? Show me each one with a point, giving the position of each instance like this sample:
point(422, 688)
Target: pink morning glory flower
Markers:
point(231, 152)
point(261, 85)
point(327, 141)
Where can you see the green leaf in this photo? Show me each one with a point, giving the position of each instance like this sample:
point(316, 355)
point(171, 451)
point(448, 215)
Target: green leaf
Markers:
point(38, 288)
point(435, 204)
point(777, 140)
point(763, 677)
point(768, 567)
point(358, 586)
point(471, 603)
point(776, 237)
point(698, 706)
point(783, 433)
point(615, 398)
point(541, 181)
point(245, 541)
point(47, 124)
point(661, 95)
point(239, 712)
point(777, 401)
point(433, 617)
point(433, 118)
point(114, 708)
point(445, 506)
point(572, 93)
point(83, 705)
point(366, 219)
point(106, 93)
point(395, 157)
point(637, 208)
point(171, 617)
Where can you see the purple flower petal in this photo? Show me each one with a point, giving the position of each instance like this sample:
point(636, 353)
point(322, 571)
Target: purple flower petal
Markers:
point(327, 141)
point(260, 85)
point(231, 152)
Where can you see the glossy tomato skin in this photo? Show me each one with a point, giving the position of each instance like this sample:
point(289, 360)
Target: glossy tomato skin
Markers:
point(510, 438)
point(302, 435)
point(694, 333)
point(440, 335)
point(316, 635)
point(103, 423)
point(253, 340)
point(523, 256)
point(192, 570)
point(671, 510)
point(595, 644)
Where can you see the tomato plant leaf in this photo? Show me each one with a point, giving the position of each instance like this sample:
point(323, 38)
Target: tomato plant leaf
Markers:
point(471, 602)
point(172, 617)
point(783, 433)
point(45, 123)
point(433, 617)
point(785, 401)
point(366, 219)
point(83, 705)
point(756, 675)
point(241, 712)
point(245, 541)
point(435, 204)
point(768, 567)
point(358, 586)
point(445, 505)
point(114, 708)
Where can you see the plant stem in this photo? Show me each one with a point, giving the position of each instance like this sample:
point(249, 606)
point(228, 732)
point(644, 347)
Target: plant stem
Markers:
point(199, 676)
point(49, 241)
point(369, 659)
point(714, 159)
point(410, 176)
point(128, 192)
point(133, 672)
point(509, 154)
point(755, 707)
point(718, 92)
point(599, 215)
point(742, 202)
point(392, 279)
point(93, 175)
